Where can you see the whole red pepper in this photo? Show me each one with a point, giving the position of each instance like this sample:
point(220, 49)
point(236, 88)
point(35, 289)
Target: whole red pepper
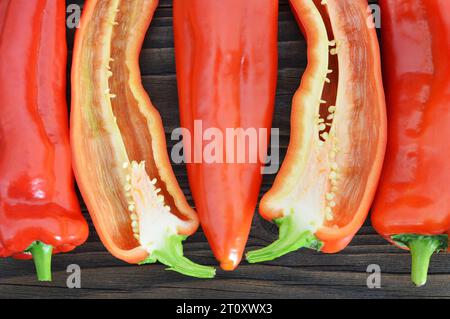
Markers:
point(226, 58)
point(412, 209)
point(39, 211)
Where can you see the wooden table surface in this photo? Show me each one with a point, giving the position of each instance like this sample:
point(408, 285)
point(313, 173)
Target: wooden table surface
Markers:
point(303, 274)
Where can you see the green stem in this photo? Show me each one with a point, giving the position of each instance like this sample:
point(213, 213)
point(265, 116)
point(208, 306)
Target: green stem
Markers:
point(172, 255)
point(290, 239)
point(422, 247)
point(42, 256)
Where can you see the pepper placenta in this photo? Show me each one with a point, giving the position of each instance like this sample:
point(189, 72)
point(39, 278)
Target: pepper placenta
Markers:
point(327, 182)
point(39, 210)
point(226, 60)
point(119, 149)
point(412, 209)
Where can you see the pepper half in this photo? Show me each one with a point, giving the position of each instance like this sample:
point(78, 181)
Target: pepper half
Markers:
point(39, 211)
point(412, 209)
point(326, 184)
point(119, 149)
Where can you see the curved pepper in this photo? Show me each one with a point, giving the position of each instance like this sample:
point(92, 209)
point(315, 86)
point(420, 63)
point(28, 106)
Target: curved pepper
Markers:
point(412, 209)
point(327, 181)
point(118, 142)
point(226, 57)
point(39, 211)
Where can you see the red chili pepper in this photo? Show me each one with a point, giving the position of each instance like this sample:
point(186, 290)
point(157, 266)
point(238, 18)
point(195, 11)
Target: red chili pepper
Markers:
point(412, 209)
point(326, 184)
point(226, 57)
point(118, 142)
point(39, 211)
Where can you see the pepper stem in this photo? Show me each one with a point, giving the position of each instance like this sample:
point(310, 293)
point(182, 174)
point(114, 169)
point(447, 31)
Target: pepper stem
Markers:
point(422, 247)
point(42, 257)
point(290, 239)
point(171, 254)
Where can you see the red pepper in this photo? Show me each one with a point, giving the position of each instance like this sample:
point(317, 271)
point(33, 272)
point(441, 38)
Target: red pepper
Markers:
point(412, 209)
point(327, 182)
point(226, 58)
point(39, 211)
point(118, 142)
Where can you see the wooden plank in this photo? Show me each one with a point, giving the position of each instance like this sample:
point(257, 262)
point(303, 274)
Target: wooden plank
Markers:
point(304, 274)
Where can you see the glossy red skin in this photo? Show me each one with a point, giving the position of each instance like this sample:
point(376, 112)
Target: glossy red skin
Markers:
point(226, 57)
point(37, 197)
point(412, 196)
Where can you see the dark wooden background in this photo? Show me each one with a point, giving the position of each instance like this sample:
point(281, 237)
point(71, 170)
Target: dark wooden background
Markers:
point(304, 274)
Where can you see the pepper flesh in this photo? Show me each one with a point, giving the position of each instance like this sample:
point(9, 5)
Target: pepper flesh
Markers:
point(411, 209)
point(226, 58)
point(39, 211)
point(119, 149)
point(323, 192)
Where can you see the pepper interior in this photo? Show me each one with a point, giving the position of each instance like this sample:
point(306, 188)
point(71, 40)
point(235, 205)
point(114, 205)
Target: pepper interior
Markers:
point(127, 146)
point(339, 123)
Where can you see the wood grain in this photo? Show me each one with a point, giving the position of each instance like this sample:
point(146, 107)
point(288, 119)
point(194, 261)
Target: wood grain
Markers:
point(304, 274)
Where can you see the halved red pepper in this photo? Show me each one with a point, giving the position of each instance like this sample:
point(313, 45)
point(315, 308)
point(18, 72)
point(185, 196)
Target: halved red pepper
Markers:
point(226, 57)
point(118, 142)
point(327, 181)
point(412, 209)
point(39, 210)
